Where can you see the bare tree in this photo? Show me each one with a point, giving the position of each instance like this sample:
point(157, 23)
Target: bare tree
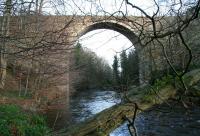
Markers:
point(34, 45)
point(169, 29)
point(4, 36)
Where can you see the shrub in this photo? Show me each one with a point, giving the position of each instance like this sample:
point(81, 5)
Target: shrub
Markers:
point(151, 90)
point(15, 122)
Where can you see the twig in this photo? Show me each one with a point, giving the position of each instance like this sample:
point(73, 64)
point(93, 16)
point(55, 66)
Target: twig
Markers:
point(132, 122)
point(55, 120)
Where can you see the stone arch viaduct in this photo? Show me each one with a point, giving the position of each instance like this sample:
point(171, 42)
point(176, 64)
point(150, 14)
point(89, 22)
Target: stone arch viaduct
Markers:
point(71, 28)
point(83, 24)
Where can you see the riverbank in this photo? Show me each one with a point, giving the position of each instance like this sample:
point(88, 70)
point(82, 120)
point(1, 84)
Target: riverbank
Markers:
point(22, 113)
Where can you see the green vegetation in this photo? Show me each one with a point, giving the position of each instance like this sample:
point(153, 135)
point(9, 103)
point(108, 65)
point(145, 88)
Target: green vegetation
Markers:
point(124, 68)
point(116, 73)
point(93, 71)
point(15, 122)
point(151, 91)
point(164, 81)
point(129, 73)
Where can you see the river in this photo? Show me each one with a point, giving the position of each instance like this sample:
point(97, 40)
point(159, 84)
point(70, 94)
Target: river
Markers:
point(159, 121)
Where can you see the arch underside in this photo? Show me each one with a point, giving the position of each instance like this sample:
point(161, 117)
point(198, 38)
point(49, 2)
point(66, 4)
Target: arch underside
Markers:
point(115, 27)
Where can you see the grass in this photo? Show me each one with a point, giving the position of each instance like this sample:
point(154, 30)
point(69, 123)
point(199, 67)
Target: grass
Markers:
point(15, 122)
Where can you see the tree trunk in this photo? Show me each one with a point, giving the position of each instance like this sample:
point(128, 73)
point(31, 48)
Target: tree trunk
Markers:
point(27, 82)
point(3, 44)
point(20, 86)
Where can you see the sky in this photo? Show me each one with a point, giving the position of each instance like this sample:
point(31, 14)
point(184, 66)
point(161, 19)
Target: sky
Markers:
point(98, 7)
point(105, 43)
point(102, 7)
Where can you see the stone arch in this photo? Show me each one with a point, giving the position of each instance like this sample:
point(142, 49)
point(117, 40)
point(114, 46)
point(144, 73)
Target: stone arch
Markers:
point(124, 30)
point(121, 28)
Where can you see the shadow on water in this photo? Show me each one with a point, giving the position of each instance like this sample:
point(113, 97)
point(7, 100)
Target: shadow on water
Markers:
point(165, 122)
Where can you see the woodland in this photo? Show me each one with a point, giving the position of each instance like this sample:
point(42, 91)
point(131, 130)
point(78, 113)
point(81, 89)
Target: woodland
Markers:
point(41, 67)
